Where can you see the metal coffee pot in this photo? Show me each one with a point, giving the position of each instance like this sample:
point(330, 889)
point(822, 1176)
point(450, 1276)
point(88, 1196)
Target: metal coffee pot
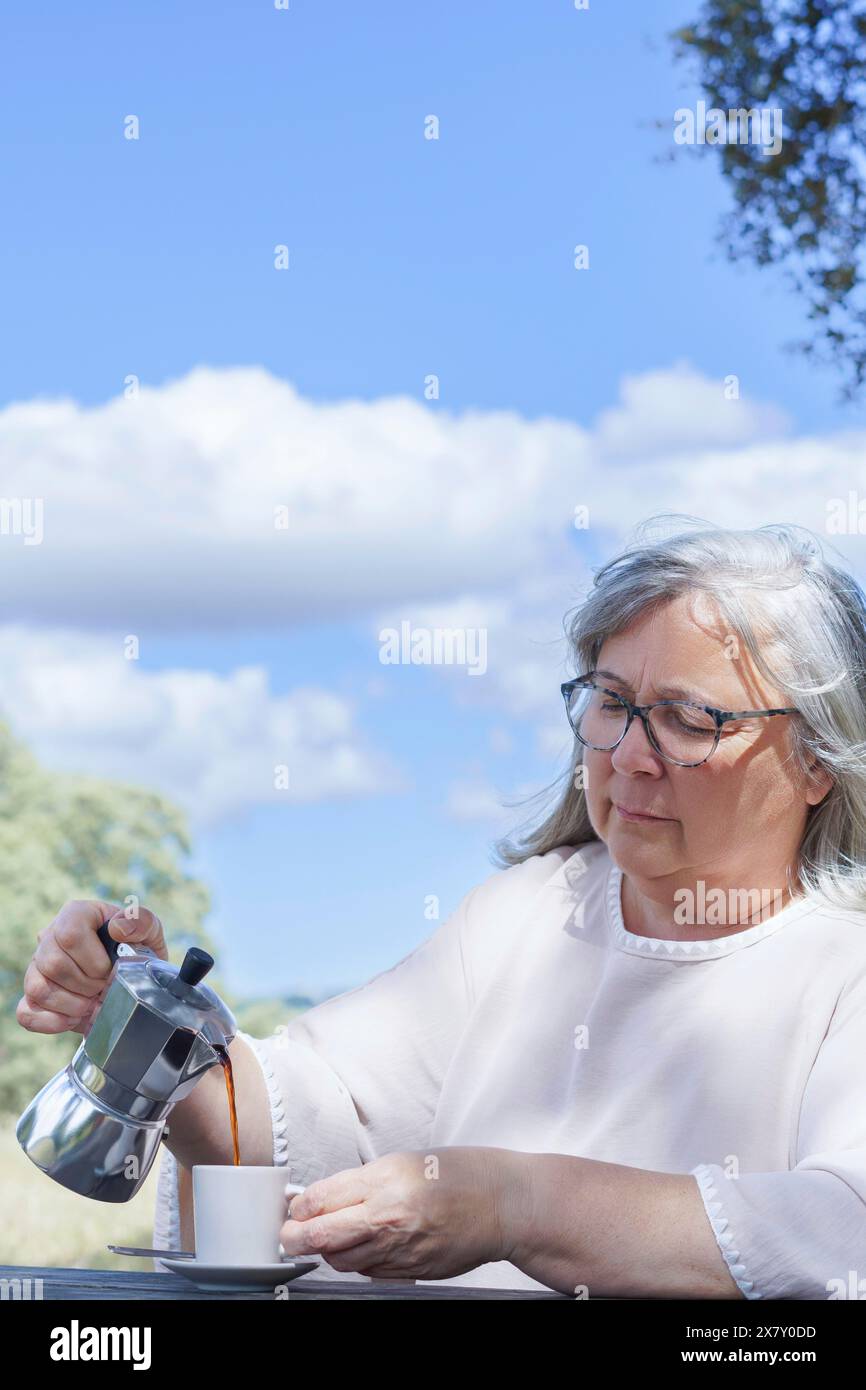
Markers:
point(97, 1125)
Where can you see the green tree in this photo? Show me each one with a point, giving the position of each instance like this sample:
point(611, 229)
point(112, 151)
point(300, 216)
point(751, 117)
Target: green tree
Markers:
point(805, 207)
point(67, 837)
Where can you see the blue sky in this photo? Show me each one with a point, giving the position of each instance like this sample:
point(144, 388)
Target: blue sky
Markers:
point(155, 258)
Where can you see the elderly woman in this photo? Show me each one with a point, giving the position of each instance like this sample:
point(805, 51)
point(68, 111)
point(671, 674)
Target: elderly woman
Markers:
point(630, 1062)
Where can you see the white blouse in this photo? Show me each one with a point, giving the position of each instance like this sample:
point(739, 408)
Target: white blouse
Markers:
point(532, 1019)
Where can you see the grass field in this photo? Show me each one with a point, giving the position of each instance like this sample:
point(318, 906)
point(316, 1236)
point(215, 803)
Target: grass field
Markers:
point(44, 1224)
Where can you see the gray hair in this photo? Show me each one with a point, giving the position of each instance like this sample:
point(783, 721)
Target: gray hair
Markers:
point(802, 620)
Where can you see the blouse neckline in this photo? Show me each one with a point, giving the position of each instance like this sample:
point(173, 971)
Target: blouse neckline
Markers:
point(705, 948)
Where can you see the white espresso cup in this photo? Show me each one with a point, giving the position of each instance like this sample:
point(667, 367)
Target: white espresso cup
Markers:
point(239, 1212)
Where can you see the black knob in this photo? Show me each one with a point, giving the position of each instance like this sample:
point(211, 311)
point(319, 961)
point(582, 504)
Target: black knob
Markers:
point(108, 941)
point(196, 964)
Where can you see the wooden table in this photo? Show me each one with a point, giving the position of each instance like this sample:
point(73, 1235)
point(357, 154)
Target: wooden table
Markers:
point(146, 1285)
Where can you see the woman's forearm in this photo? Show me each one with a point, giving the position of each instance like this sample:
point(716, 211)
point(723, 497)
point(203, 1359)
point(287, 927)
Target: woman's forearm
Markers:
point(198, 1129)
point(615, 1230)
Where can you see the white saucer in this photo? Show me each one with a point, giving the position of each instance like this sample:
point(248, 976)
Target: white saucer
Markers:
point(206, 1276)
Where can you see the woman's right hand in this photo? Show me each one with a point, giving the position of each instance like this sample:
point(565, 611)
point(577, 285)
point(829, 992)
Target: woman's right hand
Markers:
point(67, 978)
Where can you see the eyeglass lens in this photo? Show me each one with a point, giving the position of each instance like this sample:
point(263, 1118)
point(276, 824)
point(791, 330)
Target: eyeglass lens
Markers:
point(683, 732)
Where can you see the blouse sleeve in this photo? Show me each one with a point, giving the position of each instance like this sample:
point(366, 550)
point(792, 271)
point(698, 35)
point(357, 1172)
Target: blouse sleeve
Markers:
point(801, 1233)
point(359, 1075)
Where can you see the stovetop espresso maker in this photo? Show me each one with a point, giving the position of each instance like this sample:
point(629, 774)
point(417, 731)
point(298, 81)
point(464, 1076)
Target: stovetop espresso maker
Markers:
point(97, 1125)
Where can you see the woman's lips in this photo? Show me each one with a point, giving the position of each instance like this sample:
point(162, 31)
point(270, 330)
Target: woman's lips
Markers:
point(633, 815)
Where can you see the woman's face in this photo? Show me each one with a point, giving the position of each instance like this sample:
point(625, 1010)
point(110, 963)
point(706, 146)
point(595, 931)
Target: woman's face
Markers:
point(737, 819)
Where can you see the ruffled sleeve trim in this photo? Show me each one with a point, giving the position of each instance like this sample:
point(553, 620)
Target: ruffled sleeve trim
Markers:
point(725, 1238)
point(166, 1225)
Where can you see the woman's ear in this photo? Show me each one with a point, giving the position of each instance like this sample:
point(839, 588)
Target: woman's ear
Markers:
point(819, 782)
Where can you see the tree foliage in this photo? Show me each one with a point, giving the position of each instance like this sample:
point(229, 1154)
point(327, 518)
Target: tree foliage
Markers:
point(804, 207)
point(65, 837)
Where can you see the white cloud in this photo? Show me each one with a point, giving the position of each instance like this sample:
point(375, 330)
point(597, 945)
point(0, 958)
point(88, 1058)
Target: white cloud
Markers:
point(478, 801)
point(159, 511)
point(526, 649)
point(528, 659)
point(159, 514)
point(209, 742)
point(677, 408)
point(500, 740)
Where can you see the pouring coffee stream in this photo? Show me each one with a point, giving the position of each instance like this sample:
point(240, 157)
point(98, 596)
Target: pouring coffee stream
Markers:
point(97, 1125)
point(226, 1062)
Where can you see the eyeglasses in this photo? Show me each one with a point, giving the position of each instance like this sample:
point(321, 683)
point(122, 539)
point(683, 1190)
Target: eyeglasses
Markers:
point(680, 731)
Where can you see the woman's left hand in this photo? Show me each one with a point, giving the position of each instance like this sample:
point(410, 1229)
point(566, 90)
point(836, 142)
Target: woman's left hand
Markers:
point(412, 1215)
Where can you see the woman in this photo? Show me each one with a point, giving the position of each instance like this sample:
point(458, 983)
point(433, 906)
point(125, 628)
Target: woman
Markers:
point(630, 1062)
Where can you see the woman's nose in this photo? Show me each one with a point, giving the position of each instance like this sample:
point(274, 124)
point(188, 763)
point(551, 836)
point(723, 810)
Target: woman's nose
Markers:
point(635, 750)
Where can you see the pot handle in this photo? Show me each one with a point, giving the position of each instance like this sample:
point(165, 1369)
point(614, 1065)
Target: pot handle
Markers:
point(108, 941)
